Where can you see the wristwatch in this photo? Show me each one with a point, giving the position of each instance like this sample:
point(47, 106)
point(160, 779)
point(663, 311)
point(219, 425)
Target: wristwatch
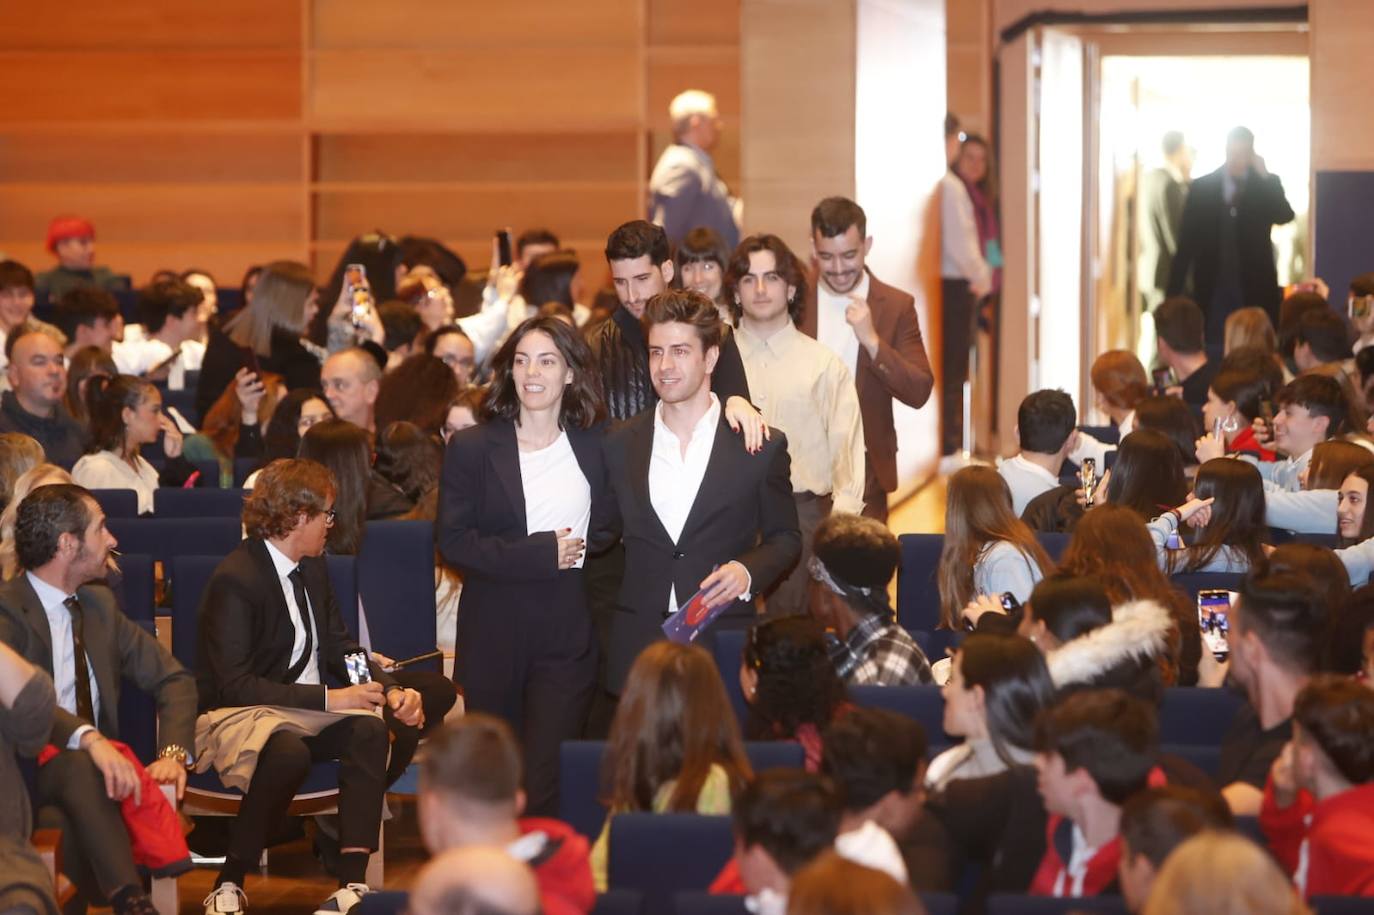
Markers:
point(175, 751)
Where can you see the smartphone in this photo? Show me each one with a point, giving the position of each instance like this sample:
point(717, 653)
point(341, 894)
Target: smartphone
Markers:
point(1360, 305)
point(1087, 475)
point(503, 255)
point(1267, 414)
point(1163, 379)
point(1009, 603)
point(359, 292)
point(356, 663)
point(250, 360)
point(1213, 610)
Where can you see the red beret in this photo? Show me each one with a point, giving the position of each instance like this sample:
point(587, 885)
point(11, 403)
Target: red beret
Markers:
point(65, 227)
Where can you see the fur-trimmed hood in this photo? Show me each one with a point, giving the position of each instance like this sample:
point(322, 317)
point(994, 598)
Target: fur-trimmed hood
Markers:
point(1139, 629)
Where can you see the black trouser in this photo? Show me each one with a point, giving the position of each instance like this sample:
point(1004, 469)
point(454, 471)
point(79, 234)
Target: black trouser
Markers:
point(603, 574)
point(956, 333)
point(358, 742)
point(96, 855)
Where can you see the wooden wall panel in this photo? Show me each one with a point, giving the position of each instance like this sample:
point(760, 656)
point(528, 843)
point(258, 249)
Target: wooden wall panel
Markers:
point(556, 26)
point(166, 24)
point(123, 157)
point(172, 214)
point(509, 158)
point(694, 22)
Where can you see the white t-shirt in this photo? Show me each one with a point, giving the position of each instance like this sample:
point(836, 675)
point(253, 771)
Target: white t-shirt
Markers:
point(557, 494)
point(107, 470)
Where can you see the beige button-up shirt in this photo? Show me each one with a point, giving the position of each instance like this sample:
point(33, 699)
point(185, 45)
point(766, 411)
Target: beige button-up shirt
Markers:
point(802, 388)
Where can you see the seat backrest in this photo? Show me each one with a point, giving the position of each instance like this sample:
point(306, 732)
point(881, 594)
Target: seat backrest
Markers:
point(163, 538)
point(698, 903)
point(138, 712)
point(727, 647)
point(244, 467)
point(774, 754)
point(619, 902)
point(1006, 904)
point(134, 587)
point(918, 590)
point(117, 503)
point(940, 903)
point(396, 580)
point(1197, 715)
point(343, 579)
point(921, 703)
point(1340, 905)
point(192, 574)
point(382, 902)
point(663, 854)
point(1054, 542)
point(172, 502)
point(579, 786)
point(1193, 582)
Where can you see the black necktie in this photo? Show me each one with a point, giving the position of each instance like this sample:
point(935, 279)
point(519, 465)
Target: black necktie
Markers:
point(303, 606)
point(85, 709)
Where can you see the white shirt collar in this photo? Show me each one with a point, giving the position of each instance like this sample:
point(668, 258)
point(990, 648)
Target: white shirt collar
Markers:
point(1033, 469)
point(280, 561)
point(708, 421)
point(48, 596)
point(778, 338)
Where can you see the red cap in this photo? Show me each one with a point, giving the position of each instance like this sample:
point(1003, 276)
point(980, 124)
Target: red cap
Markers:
point(65, 227)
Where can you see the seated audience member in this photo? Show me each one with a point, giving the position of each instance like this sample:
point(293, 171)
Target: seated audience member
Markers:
point(1176, 421)
point(464, 411)
point(674, 744)
point(877, 759)
point(247, 659)
point(1148, 473)
point(27, 482)
point(71, 239)
point(1313, 510)
point(1350, 637)
point(1219, 871)
point(1312, 409)
point(1045, 426)
point(1276, 633)
point(294, 416)
point(33, 404)
point(1247, 328)
point(351, 380)
point(1226, 515)
point(554, 277)
point(27, 701)
point(1318, 811)
point(1061, 608)
point(209, 302)
point(783, 819)
point(16, 304)
point(86, 364)
point(1321, 342)
point(1322, 568)
point(406, 472)
point(1360, 306)
point(476, 880)
point(1094, 750)
point(1291, 310)
point(74, 631)
point(854, 559)
point(1134, 652)
point(997, 685)
point(833, 884)
point(401, 329)
point(1179, 329)
point(18, 455)
point(126, 414)
point(264, 335)
point(419, 391)
point(792, 690)
point(1154, 823)
point(987, 549)
point(699, 263)
point(1233, 403)
point(88, 317)
point(169, 346)
point(1119, 383)
point(470, 795)
point(451, 346)
point(427, 296)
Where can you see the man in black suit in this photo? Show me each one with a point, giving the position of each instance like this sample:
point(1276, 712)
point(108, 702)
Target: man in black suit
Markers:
point(57, 618)
point(1224, 241)
point(257, 648)
point(697, 509)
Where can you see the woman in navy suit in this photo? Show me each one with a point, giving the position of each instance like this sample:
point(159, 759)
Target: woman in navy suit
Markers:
point(518, 496)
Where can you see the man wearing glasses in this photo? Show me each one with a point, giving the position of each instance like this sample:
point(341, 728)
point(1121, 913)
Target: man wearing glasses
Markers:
point(33, 406)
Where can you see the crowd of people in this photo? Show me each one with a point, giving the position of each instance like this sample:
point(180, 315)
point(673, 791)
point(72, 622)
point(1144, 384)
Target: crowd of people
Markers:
point(707, 446)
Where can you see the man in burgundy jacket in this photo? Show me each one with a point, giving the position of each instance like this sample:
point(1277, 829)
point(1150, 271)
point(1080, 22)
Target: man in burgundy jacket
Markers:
point(873, 329)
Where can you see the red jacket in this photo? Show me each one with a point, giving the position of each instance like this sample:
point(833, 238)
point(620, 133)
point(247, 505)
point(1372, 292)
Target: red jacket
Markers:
point(1099, 877)
point(1337, 833)
point(1246, 443)
point(561, 867)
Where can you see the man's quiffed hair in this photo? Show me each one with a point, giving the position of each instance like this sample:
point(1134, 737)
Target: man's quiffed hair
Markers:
point(1107, 733)
point(1285, 610)
point(785, 264)
point(44, 516)
point(638, 238)
point(834, 215)
point(683, 306)
point(1321, 395)
point(1045, 420)
point(476, 758)
point(167, 298)
point(1157, 820)
point(872, 752)
point(285, 490)
point(82, 307)
point(14, 275)
point(535, 237)
point(1337, 713)
point(794, 815)
point(1325, 332)
point(1180, 323)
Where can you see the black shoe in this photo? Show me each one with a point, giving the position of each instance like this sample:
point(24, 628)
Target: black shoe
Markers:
point(135, 904)
point(326, 848)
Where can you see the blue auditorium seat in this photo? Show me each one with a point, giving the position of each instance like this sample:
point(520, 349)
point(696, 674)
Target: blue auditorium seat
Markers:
point(134, 586)
point(1054, 543)
point(1197, 715)
point(1005, 904)
point(662, 854)
point(924, 704)
point(163, 538)
point(727, 647)
point(117, 503)
point(382, 902)
point(1342, 905)
point(244, 467)
point(174, 502)
point(700, 903)
point(343, 578)
point(619, 902)
point(1193, 582)
point(918, 591)
point(396, 581)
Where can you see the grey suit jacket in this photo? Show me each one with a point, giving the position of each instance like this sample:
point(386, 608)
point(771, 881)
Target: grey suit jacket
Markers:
point(686, 193)
point(118, 648)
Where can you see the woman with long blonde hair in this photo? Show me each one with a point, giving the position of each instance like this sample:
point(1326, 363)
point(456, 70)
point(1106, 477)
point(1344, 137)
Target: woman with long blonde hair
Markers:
point(40, 475)
point(1222, 873)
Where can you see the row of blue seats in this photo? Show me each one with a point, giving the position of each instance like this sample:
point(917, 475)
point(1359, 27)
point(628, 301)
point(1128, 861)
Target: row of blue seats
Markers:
point(174, 502)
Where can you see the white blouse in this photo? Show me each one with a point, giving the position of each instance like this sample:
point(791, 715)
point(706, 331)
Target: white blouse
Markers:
point(557, 494)
point(107, 470)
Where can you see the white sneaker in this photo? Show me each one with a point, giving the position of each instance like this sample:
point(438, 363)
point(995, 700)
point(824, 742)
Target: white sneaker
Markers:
point(227, 898)
point(343, 899)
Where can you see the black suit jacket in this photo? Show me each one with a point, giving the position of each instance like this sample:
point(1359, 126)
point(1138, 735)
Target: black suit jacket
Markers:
point(744, 511)
point(117, 648)
point(1259, 206)
point(245, 634)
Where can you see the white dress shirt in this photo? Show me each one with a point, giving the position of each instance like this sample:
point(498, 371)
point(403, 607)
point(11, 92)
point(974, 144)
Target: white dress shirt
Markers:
point(284, 566)
point(107, 470)
point(557, 494)
point(1089, 447)
point(831, 327)
point(674, 477)
point(1026, 480)
point(63, 659)
point(961, 254)
point(138, 353)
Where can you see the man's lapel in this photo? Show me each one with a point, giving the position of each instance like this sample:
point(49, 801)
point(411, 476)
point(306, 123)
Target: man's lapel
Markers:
point(713, 481)
point(639, 454)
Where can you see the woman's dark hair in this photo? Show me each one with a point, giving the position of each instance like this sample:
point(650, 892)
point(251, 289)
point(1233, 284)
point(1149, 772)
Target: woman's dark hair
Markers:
point(1175, 420)
point(1237, 518)
point(1016, 687)
point(797, 682)
point(1333, 461)
point(281, 439)
point(438, 333)
point(699, 245)
point(344, 449)
point(550, 279)
point(106, 399)
point(1349, 620)
point(785, 264)
point(582, 406)
point(1148, 474)
point(86, 363)
point(409, 458)
point(1246, 389)
point(1070, 605)
point(419, 391)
